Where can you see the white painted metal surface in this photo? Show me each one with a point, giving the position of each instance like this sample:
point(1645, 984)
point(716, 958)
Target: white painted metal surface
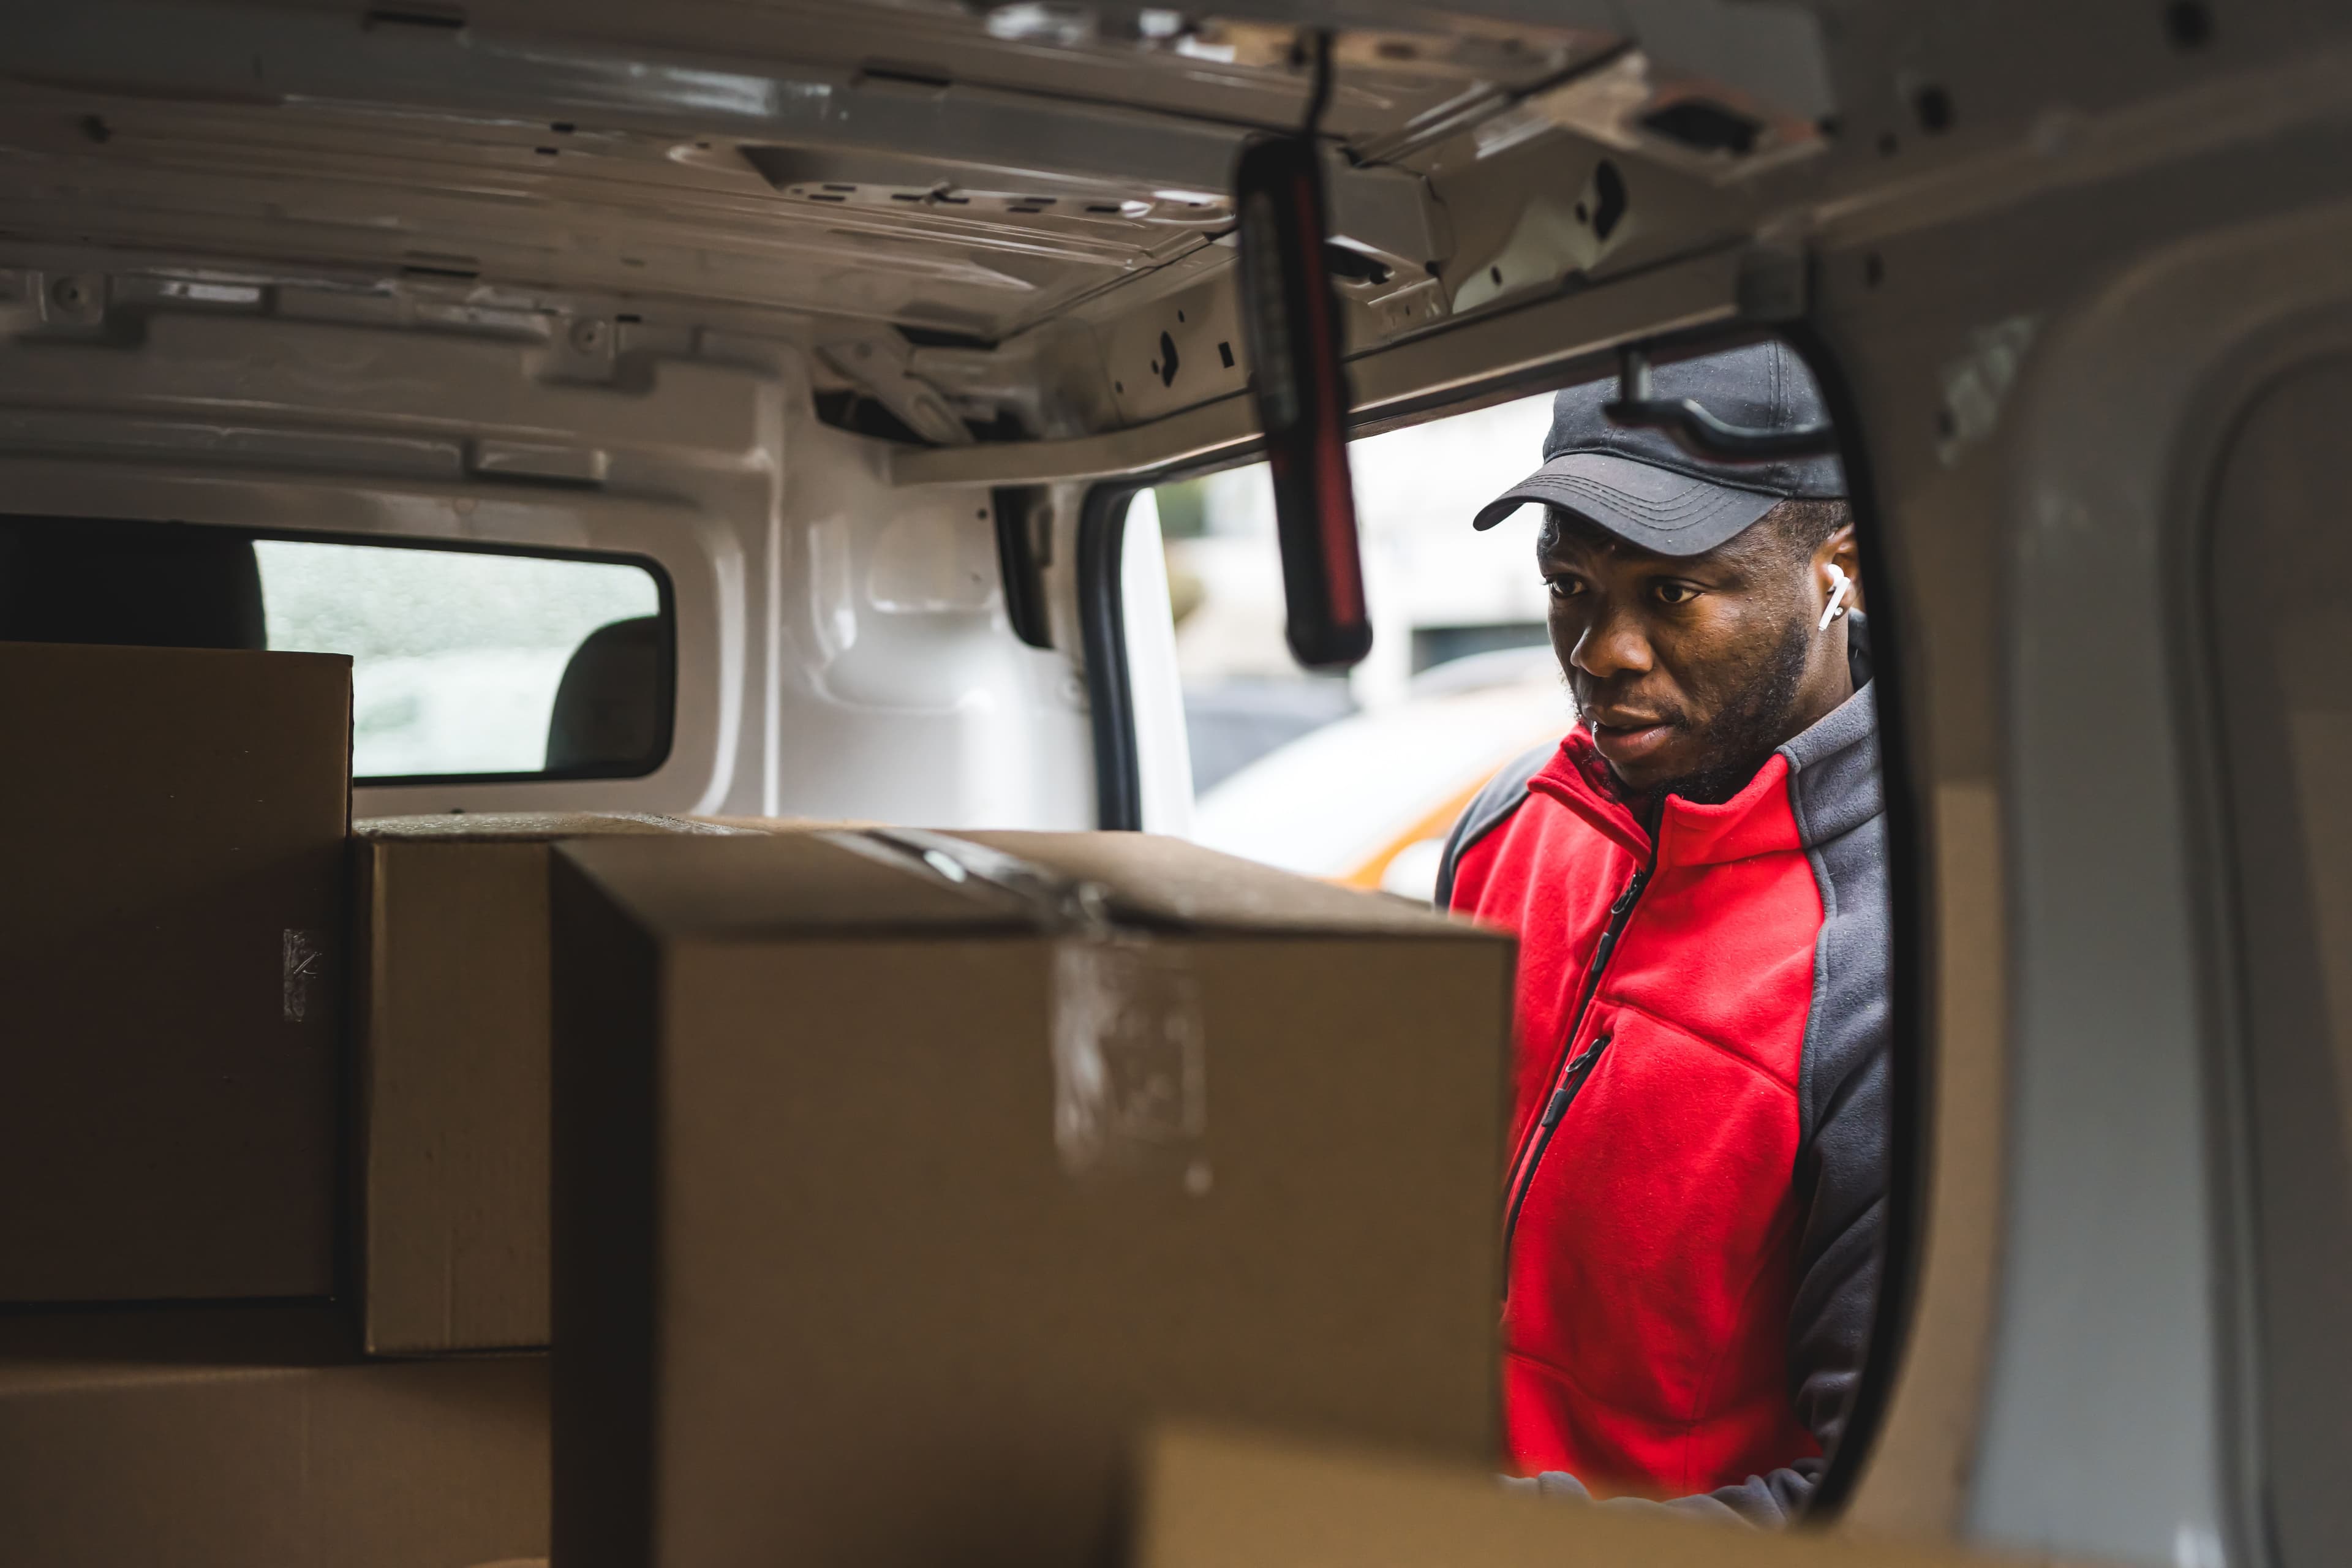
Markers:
point(843, 649)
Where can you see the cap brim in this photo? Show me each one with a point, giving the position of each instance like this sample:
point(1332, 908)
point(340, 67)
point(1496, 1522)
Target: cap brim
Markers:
point(1657, 509)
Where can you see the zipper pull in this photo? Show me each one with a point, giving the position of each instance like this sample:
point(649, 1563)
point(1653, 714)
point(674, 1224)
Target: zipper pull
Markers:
point(1633, 891)
point(1584, 1060)
point(1570, 1081)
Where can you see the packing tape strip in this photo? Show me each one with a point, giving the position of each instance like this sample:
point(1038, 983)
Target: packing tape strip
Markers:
point(1129, 1048)
point(302, 961)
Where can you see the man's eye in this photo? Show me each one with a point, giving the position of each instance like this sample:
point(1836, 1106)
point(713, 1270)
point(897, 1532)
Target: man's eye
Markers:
point(1676, 593)
point(1564, 587)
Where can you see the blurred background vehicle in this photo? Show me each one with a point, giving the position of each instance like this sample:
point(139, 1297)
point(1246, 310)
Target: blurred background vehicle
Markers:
point(1355, 777)
point(1366, 800)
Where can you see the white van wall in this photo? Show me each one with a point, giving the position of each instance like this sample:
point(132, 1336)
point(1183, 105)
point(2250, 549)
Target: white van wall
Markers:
point(843, 646)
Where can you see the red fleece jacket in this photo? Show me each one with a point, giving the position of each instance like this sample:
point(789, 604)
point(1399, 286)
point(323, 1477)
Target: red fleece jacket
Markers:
point(1698, 1150)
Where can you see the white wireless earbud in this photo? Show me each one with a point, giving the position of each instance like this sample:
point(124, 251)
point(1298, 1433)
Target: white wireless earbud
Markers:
point(1840, 586)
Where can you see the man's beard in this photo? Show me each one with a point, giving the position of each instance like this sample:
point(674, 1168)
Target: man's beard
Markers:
point(1750, 729)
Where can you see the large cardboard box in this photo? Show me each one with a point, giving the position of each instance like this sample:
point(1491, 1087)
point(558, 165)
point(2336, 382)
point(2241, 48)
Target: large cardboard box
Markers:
point(451, 1076)
point(1212, 1498)
point(899, 1177)
point(231, 1437)
point(171, 942)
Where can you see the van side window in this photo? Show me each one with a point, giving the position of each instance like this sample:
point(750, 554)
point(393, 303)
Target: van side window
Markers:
point(469, 663)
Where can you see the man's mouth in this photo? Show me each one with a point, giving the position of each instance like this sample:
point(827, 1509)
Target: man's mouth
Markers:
point(1625, 738)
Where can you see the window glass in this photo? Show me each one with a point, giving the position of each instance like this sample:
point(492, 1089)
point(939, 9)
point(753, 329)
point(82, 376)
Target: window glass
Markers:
point(1460, 679)
point(458, 657)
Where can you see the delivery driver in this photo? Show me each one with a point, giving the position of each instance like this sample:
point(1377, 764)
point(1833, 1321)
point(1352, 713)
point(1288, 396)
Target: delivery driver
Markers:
point(1697, 878)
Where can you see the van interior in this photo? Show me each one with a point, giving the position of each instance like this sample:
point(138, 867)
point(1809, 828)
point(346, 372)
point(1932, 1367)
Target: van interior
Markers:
point(684, 883)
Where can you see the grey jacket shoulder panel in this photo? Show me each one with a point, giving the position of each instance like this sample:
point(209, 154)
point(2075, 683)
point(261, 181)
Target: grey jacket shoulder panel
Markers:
point(1488, 809)
point(1834, 784)
point(1843, 1110)
point(1839, 803)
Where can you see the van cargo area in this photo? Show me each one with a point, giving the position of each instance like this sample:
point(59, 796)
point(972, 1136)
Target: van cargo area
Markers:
point(1404, 783)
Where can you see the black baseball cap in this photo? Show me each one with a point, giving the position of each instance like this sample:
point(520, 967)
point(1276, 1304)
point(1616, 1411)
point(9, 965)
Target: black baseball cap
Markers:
point(1641, 486)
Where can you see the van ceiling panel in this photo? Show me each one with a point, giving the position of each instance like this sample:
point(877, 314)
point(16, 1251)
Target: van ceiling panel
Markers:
point(612, 211)
point(1041, 185)
point(1232, 65)
point(999, 166)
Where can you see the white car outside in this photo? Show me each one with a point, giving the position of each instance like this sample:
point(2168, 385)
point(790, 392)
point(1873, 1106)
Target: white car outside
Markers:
point(1367, 801)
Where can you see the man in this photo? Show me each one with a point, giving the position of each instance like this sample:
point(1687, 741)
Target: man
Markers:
point(1698, 879)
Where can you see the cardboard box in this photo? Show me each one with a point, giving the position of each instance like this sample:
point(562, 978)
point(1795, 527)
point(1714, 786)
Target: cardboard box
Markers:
point(897, 1180)
point(230, 1436)
point(170, 945)
point(1209, 1499)
point(452, 1037)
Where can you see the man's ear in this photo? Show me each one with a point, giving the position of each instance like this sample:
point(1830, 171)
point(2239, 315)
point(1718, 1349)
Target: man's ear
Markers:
point(1839, 549)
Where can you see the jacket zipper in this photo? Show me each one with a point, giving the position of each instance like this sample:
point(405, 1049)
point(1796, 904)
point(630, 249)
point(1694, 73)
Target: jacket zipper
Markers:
point(1577, 1067)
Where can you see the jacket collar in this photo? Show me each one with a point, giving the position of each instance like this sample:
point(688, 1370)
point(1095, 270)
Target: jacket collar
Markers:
point(1828, 774)
point(1833, 771)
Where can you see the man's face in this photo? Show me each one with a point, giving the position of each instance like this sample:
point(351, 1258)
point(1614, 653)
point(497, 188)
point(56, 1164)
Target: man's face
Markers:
point(1690, 670)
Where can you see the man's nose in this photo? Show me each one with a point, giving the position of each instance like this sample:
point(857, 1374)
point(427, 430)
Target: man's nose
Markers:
point(1613, 645)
